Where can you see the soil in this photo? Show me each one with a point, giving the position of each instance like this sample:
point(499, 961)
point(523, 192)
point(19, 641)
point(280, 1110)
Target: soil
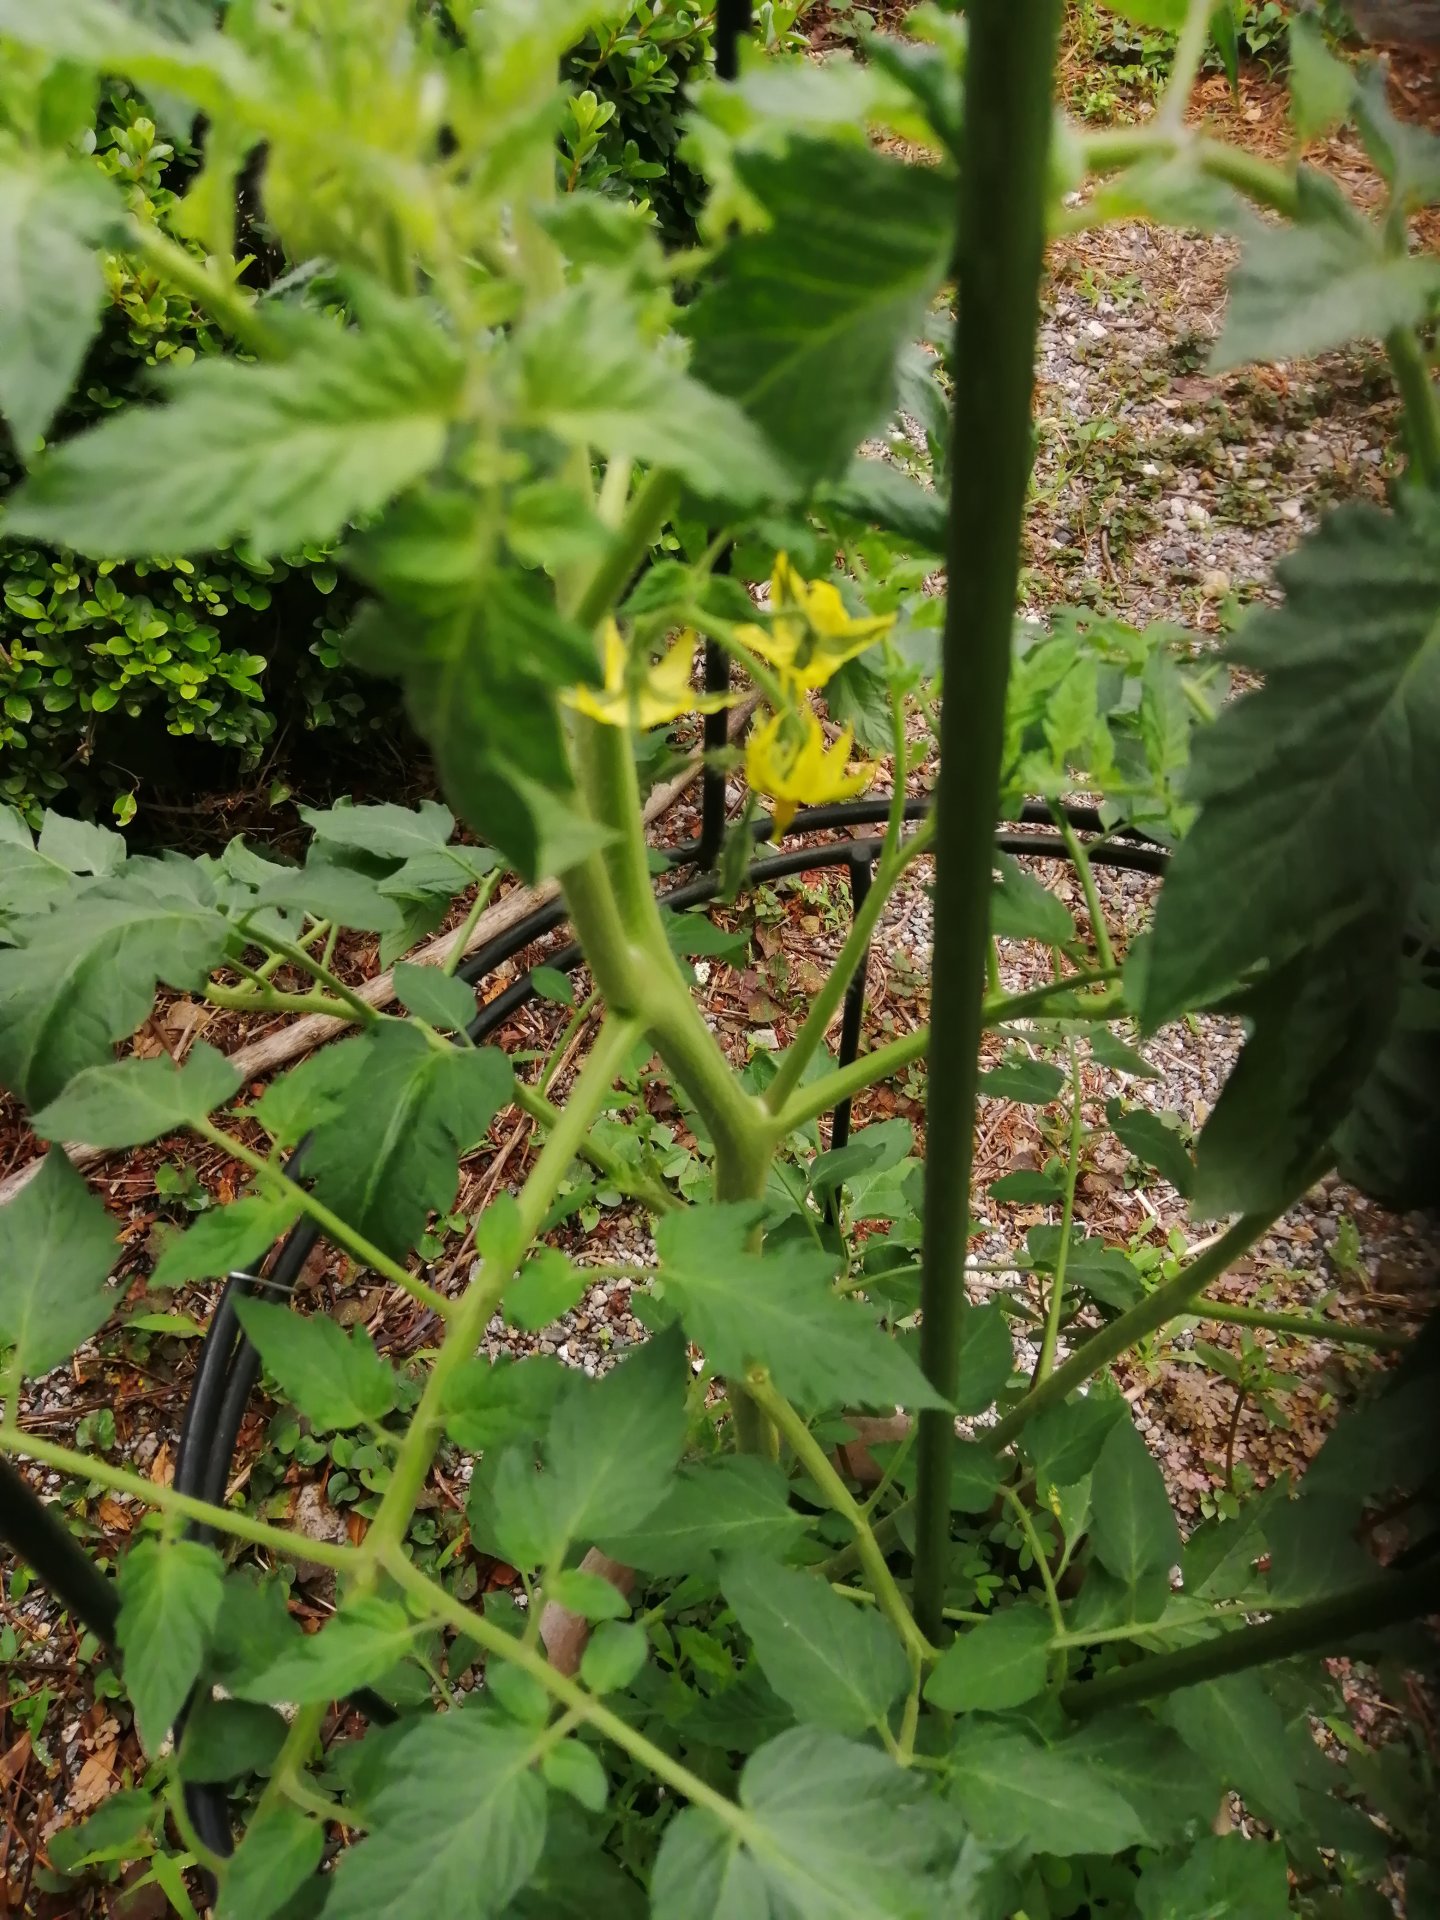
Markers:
point(1164, 493)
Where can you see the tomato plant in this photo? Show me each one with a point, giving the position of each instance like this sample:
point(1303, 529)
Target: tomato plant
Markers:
point(972, 1685)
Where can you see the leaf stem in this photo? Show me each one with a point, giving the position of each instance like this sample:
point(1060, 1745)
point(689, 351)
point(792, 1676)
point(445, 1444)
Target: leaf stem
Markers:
point(1167, 1302)
point(1080, 859)
point(570, 1694)
point(1422, 402)
point(1037, 1554)
point(826, 1003)
point(470, 1315)
point(298, 957)
point(336, 1229)
point(1306, 1326)
point(84, 1466)
point(1001, 218)
point(816, 1462)
point(1189, 52)
point(234, 310)
point(484, 893)
point(1320, 1626)
point(1044, 1366)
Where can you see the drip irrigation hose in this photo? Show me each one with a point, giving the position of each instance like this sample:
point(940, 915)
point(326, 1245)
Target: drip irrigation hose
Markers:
point(229, 1365)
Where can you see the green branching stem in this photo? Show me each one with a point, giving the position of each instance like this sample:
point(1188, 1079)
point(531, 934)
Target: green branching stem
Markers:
point(1037, 1553)
point(442, 1606)
point(816, 1462)
point(1422, 402)
point(1099, 932)
point(659, 1199)
point(1001, 212)
point(484, 893)
point(1304, 1326)
point(360, 1008)
point(826, 1003)
point(1268, 186)
point(1044, 1366)
point(1168, 1302)
point(1189, 52)
point(882, 1063)
point(1318, 1627)
point(329, 1223)
point(86, 1466)
point(470, 1315)
point(223, 300)
point(292, 1759)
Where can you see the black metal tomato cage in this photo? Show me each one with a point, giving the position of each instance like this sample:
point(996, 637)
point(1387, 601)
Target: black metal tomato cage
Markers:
point(229, 1365)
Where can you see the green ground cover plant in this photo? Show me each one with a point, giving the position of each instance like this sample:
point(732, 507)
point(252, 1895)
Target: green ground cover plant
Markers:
point(975, 1687)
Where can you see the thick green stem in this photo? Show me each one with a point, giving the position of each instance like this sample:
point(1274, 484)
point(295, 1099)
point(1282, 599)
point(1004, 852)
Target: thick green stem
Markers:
point(470, 1316)
point(1004, 187)
point(1321, 1626)
point(816, 1462)
point(1306, 1326)
point(84, 1466)
point(1167, 1302)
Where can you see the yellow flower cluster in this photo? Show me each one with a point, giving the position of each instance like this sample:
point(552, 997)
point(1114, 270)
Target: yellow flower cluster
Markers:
point(654, 698)
point(810, 637)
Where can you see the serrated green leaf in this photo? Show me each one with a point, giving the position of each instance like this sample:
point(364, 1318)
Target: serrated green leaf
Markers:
point(494, 1403)
point(1000, 1662)
point(1307, 288)
point(975, 1476)
point(129, 1102)
point(1027, 1189)
point(79, 845)
point(282, 1847)
point(1063, 1443)
point(1149, 1139)
point(231, 1239)
point(203, 67)
point(1406, 154)
point(225, 1739)
point(1022, 908)
point(114, 1831)
point(1014, 1792)
point(588, 375)
point(1224, 1877)
point(1310, 785)
point(335, 1378)
point(170, 1594)
point(447, 1003)
point(737, 1505)
point(590, 1595)
point(358, 1646)
point(456, 1827)
point(615, 1654)
point(1322, 88)
point(1236, 1729)
point(610, 1456)
point(1034, 1082)
point(836, 1664)
point(575, 1769)
point(1104, 1272)
point(78, 981)
point(1317, 1023)
point(987, 1357)
point(777, 1309)
point(1133, 1529)
point(1172, 1792)
point(1313, 1549)
point(804, 321)
point(386, 1160)
point(385, 831)
point(274, 455)
point(802, 1850)
point(548, 1285)
point(1111, 1051)
point(328, 892)
point(881, 495)
point(57, 1246)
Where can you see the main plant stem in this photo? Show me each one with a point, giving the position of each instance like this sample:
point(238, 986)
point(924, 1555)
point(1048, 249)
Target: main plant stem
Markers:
point(1001, 216)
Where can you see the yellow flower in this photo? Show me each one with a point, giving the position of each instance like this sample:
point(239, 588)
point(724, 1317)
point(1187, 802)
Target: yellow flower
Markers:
point(652, 699)
point(811, 634)
point(787, 759)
